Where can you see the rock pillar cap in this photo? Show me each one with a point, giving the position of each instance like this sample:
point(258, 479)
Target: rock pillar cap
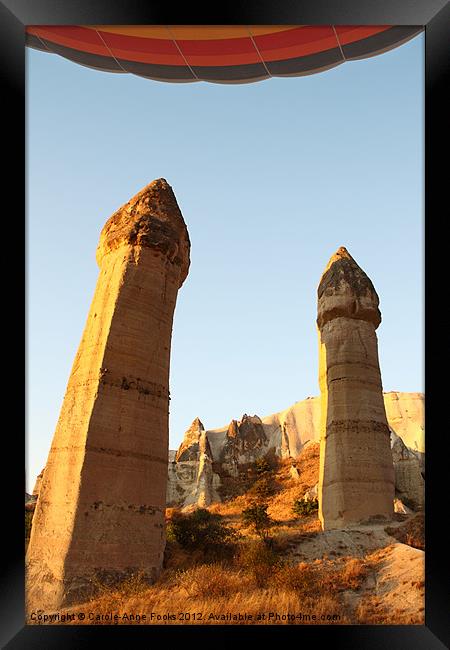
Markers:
point(346, 291)
point(151, 219)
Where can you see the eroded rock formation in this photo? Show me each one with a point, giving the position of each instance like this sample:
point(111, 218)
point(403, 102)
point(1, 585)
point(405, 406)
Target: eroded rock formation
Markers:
point(100, 511)
point(191, 480)
point(356, 478)
point(285, 435)
point(409, 481)
point(243, 444)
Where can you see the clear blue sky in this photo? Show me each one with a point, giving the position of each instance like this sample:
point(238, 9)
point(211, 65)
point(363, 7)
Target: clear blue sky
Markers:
point(271, 177)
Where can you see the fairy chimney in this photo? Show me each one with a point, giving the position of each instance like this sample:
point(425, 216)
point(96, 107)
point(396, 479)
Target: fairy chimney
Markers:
point(100, 512)
point(356, 469)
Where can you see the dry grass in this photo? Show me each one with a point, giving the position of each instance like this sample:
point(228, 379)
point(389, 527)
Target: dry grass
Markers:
point(288, 490)
point(350, 574)
point(211, 581)
point(179, 559)
point(258, 584)
point(400, 604)
point(317, 578)
point(371, 612)
point(232, 507)
point(411, 533)
point(289, 595)
point(307, 464)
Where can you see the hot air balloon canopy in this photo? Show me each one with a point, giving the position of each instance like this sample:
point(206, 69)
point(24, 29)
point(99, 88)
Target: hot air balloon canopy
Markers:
point(219, 54)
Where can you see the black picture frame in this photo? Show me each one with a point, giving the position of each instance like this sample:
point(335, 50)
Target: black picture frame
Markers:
point(434, 15)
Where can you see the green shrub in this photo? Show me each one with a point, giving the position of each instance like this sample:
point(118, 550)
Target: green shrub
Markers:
point(257, 517)
point(202, 530)
point(301, 508)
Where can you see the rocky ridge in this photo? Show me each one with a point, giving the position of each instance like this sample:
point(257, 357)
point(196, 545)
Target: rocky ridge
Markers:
point(210, 462)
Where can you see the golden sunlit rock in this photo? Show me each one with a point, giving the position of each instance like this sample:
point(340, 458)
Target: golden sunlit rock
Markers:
point(100, 513)
point(356, 476)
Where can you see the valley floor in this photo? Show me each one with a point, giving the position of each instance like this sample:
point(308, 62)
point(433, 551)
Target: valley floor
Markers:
point(371, 573)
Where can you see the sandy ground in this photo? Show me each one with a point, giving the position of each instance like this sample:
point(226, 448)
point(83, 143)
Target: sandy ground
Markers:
point(394, 587)
point(399, 583)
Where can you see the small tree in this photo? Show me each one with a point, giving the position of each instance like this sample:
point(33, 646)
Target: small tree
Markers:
point(256, 516)
point(202, 530)
point(302, 508)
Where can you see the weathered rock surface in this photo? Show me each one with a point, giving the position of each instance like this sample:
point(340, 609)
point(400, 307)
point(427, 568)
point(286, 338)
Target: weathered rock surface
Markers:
point(312, 493)
point(297, 425)
point(356, 478)
point(100, 511)
point(398, 594)
point(406, 417)
point(37, 485)
point(190, 447)
point(301, 421)
point(191, 480)
point(285, 434)
point(30, 502)
point(244, 442)
point(409, 481)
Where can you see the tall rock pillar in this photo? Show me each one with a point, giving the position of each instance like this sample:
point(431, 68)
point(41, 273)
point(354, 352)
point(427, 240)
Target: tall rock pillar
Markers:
point(100, 512)
point(356, 471)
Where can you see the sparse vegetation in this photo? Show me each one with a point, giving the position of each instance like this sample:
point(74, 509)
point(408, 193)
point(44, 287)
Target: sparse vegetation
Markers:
point(28, 522)
point(246, 555)
point(201, 530)
point(263, 488)
point(302, 508)
point(257, 581)
point(256, 516)
point(133, 586)
point(259, 560)
point(263, 467)
point(412, 532)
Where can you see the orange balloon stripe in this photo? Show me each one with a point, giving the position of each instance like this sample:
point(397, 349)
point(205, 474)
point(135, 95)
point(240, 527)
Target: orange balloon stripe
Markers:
point(295, 36)
point(195, 56)
point(287, 51)
point(76, 38)
point(165, 52)
point(159, 46)
point(190, 32)
point(291, 42)
point(148, 46)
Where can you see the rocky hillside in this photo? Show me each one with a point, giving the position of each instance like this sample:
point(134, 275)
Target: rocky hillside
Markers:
point(212, 465)
point(369, 573)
